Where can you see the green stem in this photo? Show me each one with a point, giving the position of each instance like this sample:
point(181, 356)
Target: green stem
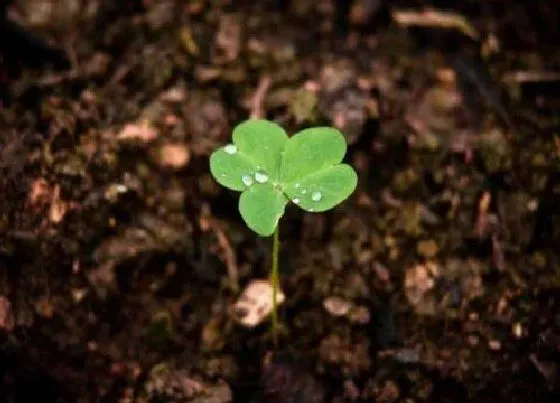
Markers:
point(275, 284)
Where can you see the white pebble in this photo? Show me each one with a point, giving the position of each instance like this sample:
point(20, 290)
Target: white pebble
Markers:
point(255, 303)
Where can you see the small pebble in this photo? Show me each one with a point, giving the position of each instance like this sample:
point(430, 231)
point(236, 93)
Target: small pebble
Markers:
point(255, 303)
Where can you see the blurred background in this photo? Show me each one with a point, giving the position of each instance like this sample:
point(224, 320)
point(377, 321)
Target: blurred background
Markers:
point(123, 263)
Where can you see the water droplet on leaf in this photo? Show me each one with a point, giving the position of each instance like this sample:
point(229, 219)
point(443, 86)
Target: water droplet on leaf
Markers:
point(261, 177)
point(247, 180)
point(230, 149)
point(316, 196)
point(297, 185)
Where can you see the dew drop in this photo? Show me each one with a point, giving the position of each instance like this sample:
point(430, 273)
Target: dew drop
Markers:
point(297, 185)
point(303, 191)
point(261, 177)
point(295, 201)
point(230, 149)
point(247, 180)
point(316, 196)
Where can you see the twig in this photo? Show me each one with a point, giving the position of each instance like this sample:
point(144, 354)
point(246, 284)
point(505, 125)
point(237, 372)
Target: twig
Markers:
point(229, 255)
point(434, 18)
point(206, 224)
point(530, 76)
point(257, 108)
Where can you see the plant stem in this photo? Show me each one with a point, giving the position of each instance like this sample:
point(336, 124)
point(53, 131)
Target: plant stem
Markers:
point(275, 284)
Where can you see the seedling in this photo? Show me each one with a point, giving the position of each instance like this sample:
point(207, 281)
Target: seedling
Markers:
point(271, 169)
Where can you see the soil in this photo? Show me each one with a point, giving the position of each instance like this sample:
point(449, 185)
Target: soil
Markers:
point(121, 258)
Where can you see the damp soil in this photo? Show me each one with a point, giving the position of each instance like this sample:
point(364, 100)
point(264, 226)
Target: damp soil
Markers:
point(438, 280)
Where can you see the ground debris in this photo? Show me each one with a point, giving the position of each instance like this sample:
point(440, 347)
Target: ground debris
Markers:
point(284, 381)
point(255, 303)
point(179, 386)
point(436, 282)
point(6, 315)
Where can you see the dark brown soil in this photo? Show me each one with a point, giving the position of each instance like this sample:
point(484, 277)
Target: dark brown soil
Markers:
point(437, 281)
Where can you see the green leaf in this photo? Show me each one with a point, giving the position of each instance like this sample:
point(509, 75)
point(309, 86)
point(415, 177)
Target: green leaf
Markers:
point(261, 141)
point(229, 169)
point(322, 190)
point(311, 150)
point(269, 169)
point(261, 206)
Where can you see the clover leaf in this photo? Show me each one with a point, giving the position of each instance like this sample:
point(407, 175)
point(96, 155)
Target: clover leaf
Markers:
point(270, 169)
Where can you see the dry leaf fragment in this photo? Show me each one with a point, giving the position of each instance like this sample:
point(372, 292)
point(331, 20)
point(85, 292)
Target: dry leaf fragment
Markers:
point(58, 206)
point(174, 156)
point(137, 131)
point(337, 306)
